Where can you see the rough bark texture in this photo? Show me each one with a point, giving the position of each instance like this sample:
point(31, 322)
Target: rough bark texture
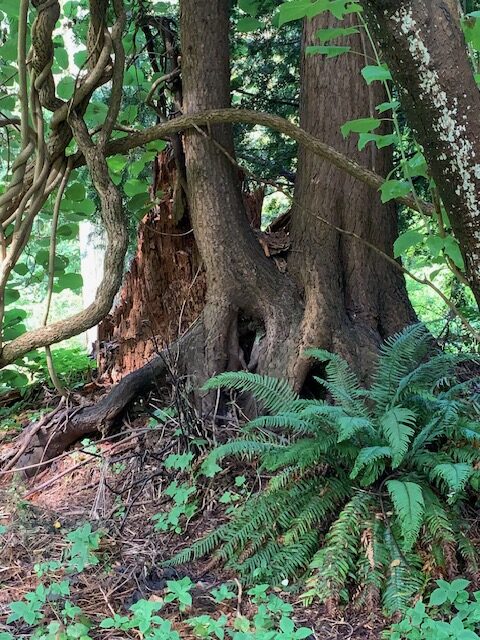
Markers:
point(240, 278)
point(353, 297)
point(424, 46)
point(163, 292)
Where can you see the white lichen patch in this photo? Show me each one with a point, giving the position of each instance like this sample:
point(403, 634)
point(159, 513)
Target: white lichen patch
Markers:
point(450, 131)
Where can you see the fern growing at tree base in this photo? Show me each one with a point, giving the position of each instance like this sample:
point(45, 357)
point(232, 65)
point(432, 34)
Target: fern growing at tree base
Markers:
point(368, 494)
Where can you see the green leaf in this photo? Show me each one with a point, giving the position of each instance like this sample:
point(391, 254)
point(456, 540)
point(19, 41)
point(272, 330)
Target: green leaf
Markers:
point(80, 58)
point(409, 505)
point(61, 57)
point(397, 428)
point(392, 189)
point(65, 88)
point(380, 141)
point(117, 163)
point(331, 51)
point(75, 191)
point(14, 331)
point(325, 35)
point(435, 245)
point(386, 106)
point(72, 281)
point(11, 296)
point(372, 73)
point(247, 25)
point(360, 125)
point(10, 7)
point(249, 6)
point(21, 268)
point(405, 241)
point(416, 166)
point(452, 249)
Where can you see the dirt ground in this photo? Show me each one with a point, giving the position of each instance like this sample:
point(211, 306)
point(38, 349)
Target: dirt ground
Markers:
point(117, 484)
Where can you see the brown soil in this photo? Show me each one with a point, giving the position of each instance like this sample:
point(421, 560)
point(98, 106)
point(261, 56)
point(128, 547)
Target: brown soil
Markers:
point(118, 485)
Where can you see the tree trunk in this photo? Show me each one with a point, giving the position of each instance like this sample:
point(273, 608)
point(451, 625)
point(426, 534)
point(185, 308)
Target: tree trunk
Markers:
point(241, 280)
point(354, 298)
point(163, 292)
point(423, 44)
point(336, 293)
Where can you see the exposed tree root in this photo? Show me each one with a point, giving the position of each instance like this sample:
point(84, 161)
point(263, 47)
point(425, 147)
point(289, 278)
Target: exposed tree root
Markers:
point(55, 432)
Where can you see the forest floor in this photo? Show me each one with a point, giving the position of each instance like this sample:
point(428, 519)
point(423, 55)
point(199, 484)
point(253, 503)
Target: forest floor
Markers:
point(117, 484)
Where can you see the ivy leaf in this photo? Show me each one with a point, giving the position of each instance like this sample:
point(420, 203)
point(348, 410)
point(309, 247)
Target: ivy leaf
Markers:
point(65, 88)
point(409, 505)
point(392, 189)
point(386, 106)
point(10, 296)
point(249, 6)
point(76, 191)
point(73, 281)
point(405, 241)
point(325, 35)
point(331, 51)
point(247, 25)
point(435, 245)
point(416, 166)
point(360, 125)
point(380, 141)
point(452, 249)
point(372, 73)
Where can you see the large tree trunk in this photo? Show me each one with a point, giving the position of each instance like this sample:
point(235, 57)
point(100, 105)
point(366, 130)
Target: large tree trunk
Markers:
point(423, 44)
point(354, 298)
point(241, 280)
point(336, 293)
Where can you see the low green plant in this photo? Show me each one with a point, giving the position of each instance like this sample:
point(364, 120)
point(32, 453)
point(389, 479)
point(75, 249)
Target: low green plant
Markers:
point(182, 510)
point(52, 595)
point(451, 613)
point(356, 479)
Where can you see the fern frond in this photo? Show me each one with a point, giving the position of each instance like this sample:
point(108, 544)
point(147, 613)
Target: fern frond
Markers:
point(399, 356)
point(287, 421)
point(404, 578)
point(409, 505)
point(437, 520)
point(369, 456)
point(334, 562)
point(397, 426)
point(454, 475)
point(332, 494)
point(246, 448)
point(350, 426)
point(273, 394)
point(341, 381)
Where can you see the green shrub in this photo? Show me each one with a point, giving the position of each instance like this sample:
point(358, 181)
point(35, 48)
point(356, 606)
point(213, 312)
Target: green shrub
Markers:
point(360, 484)
point(451, 614)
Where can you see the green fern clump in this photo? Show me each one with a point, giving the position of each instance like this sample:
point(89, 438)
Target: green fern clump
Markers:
point(367, 491)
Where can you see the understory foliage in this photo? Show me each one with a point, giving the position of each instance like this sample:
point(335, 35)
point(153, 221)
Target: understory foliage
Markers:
point(368, 489)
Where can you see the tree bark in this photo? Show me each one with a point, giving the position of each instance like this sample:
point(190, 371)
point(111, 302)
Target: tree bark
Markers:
point(240, 278)
point(423, 44)
point(354, 298)
point(163, 292)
